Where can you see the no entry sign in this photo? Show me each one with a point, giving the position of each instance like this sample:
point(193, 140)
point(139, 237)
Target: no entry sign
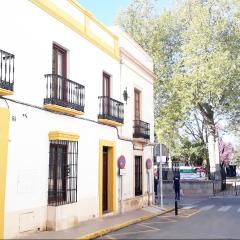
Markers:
point(148, 163)
point(121, 162)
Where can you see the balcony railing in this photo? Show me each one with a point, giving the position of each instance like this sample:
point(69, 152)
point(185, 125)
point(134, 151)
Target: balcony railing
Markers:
point(111, 109)
point(6, 70)
point(141, 129)
point(64, 92)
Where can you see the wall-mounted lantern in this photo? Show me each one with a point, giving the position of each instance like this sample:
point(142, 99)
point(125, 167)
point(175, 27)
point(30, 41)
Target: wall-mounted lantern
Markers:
point(125, 95)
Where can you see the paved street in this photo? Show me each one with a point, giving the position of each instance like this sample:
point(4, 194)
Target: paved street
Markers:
point(213, 218)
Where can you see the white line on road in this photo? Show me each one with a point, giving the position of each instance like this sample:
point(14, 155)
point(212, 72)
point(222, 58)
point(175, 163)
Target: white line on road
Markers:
point(224, 208)
point(206, 208)
point(189, 207)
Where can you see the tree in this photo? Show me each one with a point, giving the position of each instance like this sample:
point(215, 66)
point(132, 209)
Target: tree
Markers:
point(195, 47)
point(226, 151)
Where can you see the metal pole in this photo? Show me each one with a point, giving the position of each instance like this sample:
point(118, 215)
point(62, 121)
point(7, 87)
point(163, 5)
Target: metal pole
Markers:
point(176, 208)
point(121, 179)
point(161, 182)
point(148, 186)
point(235, 188)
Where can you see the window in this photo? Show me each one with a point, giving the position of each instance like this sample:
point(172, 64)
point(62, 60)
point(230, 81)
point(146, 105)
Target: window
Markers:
point(138, 175)
point(62, 180)
point(137, 104)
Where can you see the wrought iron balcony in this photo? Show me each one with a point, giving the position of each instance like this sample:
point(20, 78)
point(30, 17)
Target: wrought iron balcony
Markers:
point(110, 111)
point(141, 129)
point(6, 73)
point(64, 95)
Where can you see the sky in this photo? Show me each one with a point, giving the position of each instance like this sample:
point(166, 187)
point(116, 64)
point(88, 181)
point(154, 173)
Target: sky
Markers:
point(106, 10)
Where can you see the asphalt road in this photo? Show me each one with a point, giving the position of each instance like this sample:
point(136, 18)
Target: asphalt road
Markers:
point(212, 218)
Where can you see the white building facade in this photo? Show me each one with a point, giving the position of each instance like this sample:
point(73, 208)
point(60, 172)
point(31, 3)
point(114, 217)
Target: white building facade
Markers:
point(75, 96)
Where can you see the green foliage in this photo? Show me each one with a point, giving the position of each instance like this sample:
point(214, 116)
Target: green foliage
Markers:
point(196, 52)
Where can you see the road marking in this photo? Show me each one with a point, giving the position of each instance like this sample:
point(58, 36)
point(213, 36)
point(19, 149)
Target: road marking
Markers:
point(189, 207)
point(172, 221)
point(146, 226)
point(224, 208)
point(206, 208)
point(238, 210)
point(129, 233)
point(109, 237)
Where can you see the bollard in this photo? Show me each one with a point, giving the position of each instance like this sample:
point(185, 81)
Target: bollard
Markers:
point(235, 188)
point(214, 193)
point(176, 208)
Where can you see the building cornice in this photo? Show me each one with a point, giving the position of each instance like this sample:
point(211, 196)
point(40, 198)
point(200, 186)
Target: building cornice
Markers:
point(128, 55)
point(82, 29)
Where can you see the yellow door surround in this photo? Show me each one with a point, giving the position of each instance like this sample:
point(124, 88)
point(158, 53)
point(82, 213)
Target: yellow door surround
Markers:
point(4, 133)
point(111, 175)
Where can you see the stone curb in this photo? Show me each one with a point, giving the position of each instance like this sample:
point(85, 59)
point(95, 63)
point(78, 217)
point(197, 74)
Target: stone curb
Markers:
point(113, 228)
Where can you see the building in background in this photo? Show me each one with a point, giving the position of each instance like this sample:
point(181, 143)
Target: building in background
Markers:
point(74, 98)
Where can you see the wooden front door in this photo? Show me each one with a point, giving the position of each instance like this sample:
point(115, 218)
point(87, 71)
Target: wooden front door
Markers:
point(138, 175)
point(105, 180)
point(58, 171)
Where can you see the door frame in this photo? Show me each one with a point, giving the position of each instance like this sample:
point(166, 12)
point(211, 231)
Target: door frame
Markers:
point(4, 131)
point(111, 175)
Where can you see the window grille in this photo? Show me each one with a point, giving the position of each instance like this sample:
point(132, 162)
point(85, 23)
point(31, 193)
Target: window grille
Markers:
point(62, 180)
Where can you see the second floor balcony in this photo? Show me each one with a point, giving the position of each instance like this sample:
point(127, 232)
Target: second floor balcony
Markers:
point(111, 111)
point(141, 129)
point(6, 73)
point(64, 95)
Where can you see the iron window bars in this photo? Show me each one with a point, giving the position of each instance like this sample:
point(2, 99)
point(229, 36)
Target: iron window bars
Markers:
point(6, 70)
point(62, 180)
point(64, 92)
point(110, 109)
point(141, 129)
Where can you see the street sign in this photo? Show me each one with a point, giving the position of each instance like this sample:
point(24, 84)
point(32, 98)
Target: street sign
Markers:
point(122, 172)
point(148, 163)
point(164, 159)
point(121, 162)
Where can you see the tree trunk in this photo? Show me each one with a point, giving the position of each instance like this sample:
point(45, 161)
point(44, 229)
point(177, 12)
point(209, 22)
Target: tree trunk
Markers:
point(213, 142)
point(213, 152)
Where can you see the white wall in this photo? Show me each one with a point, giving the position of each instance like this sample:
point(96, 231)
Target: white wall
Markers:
point(29, 35)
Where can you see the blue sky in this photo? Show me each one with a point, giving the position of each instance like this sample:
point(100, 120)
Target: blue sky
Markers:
point(106, 10)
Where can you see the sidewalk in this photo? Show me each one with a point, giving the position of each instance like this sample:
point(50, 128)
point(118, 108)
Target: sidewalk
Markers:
point(98, 227)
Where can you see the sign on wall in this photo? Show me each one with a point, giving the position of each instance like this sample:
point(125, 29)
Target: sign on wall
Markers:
point(149, 163)
point(121, 162)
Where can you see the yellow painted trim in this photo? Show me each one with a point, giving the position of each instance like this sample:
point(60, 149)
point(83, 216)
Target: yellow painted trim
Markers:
point(96, 21)
point(61, 109)
point(5, 92)
point(112, 174)
point(110, 122)
point(82, 29)
point(56, 135)
point(118, 226)
point(4, 133)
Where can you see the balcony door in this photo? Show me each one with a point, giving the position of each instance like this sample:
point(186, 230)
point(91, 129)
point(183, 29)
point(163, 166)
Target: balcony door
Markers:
point(59, 70)
point(106, 94)
point(137, 104)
